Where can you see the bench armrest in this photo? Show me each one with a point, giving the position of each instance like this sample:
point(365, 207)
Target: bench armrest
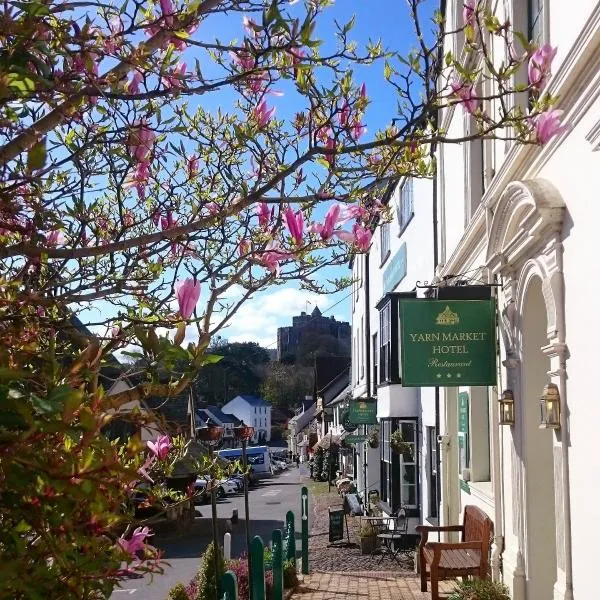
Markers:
point(424, 530)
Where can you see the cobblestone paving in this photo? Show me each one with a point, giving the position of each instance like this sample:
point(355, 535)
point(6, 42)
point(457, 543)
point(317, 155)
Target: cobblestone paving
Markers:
point(341, 557)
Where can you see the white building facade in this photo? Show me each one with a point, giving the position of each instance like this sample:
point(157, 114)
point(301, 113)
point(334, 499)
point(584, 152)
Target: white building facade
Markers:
point(253, 411)
point(523, 218)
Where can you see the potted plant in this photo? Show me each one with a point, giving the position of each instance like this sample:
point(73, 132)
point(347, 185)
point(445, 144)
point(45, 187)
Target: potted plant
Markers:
point(373, 440)
point(481, 589)
point(368, 538)
point(398, 445)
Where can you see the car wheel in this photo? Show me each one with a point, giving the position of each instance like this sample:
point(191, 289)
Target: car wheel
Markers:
point(220, 492)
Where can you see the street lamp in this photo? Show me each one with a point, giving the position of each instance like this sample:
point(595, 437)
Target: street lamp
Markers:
point(550, 407)
point(243, 433)
point(507, 408)
point(211, 435)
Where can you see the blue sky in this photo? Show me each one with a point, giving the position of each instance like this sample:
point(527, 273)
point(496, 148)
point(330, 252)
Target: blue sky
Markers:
point(387, 20)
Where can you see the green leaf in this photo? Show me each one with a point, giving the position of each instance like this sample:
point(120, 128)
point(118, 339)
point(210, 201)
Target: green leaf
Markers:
point(35, 9)
point(36, 158)
point(7, 375)
point(20, 83)
point(387, 70)
point(22, 526)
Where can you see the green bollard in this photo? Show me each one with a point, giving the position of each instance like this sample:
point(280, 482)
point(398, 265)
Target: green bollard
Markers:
point(290, 553)
point(257, 549)
point(304, 517)
point(229, 586)
point(277, 565)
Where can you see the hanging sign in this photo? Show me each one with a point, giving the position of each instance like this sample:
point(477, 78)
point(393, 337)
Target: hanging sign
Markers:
point(448, 342)
point(347, 424)
point(355, 439)
point(363, 412)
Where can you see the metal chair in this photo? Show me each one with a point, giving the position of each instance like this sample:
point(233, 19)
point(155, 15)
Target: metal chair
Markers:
point(391, 539)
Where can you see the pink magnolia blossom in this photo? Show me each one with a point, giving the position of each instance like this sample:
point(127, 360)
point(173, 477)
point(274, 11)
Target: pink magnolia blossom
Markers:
point(547, 125)
point(54, 238)
point(113, 41)
point(257, 81)
point(272, 256)
point(357, 129)
point(539, 66)
point(115, 331)
point(464, 92)
point(323, 134)
point(295, 224)
point(250, 26)
point(133, 86)
point(262, 114)
point(351, 212)
point(297, 55)
point(344, 114)
point(264, 214)
point(326, 229)
point(192, 166)
point(176, 78)
point(136, 543)
point(359, 236)
point(141, 141)
point(128, 218)
point(330, 152)
point(166, 6)
point(243, 60)
point(187, 293)
point(213, 208)
point(168, 222)
point(244, 247)
point(139, 179)
point(363, 91)
point(469, 11)
point(161, 447)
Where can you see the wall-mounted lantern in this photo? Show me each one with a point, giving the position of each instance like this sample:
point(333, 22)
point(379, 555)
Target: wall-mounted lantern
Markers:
point(550, 407)
point(507, 408)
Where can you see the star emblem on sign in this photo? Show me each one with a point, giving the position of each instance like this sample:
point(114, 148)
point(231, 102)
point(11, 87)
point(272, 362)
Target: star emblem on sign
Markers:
point(449, 375)
point(439, 375)
point(458, 375)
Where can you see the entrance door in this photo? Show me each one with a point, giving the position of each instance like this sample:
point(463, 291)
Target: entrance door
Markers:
point(540, 524)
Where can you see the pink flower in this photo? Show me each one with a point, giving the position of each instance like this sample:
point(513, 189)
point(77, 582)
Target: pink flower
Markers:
point(264, 214)
point(547, 125)
point(329, 154)
point(192, 166)
point(243, 60)
point(295, 224)
point(250, 26)
point(166, 6)
point(137, 541)
point(351, 212)
point(469, 11)
point(141, 141)
point(344, 114)
point(54, 238)
point(115, 331)
point(297, 55)
point(465, 94)
point(213, 208)
point(326, 229)
point(168, 222)
point(113, 42)
point(262, 114)
point(363, 91)
point(175, 79)
point(161, 447)
point(272, 256)
point(244, 247)
point(323, 134)
point(133, 86)
point(539, 66)
point(359, 236)
point(187, 293)
point(357, 129)
point(139, 179)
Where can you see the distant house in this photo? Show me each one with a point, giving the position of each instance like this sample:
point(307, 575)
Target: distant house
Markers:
point(223, 419)
point(255, 412)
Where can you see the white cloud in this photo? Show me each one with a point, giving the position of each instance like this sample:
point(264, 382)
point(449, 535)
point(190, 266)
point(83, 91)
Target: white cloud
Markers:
point(257, 320)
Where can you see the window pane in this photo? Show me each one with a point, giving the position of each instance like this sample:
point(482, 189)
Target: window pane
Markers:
point(535, 20)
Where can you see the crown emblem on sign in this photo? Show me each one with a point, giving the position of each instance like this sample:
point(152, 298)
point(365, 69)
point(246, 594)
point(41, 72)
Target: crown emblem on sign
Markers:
point(447, 317)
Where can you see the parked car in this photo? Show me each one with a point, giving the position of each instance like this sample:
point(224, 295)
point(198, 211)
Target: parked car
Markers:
point(226, 486)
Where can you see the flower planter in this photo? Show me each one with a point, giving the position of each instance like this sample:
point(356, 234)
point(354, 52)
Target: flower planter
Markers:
point(368, 544)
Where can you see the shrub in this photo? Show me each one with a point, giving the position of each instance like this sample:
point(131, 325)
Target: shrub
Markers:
point(178, 592)
point(318, 464)
point(366, 530)
point(290, 575)
point(480, 589)
point(240, 568)
point(207, 586)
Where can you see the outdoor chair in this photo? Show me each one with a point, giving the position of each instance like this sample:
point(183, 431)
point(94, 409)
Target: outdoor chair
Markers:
point(391, 539)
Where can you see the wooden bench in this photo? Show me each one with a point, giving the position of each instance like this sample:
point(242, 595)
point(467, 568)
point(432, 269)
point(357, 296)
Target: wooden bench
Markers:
point(470, 556)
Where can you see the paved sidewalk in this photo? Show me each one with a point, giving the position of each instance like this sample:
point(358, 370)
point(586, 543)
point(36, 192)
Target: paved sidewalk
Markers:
point(371, 585)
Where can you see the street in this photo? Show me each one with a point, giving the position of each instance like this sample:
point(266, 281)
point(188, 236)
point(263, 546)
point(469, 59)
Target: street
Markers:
point(269, 503)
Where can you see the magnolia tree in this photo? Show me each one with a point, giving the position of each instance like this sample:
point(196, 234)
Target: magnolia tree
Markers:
point(158, 175)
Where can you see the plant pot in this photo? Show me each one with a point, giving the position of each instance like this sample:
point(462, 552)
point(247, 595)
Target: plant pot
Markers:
point(374, 445)
point(368, 544)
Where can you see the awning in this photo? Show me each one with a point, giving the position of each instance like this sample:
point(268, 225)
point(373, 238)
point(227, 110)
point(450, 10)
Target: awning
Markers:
point(329, 439)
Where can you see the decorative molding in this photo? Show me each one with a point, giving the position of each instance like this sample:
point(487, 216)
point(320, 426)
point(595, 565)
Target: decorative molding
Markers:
point(593, 137)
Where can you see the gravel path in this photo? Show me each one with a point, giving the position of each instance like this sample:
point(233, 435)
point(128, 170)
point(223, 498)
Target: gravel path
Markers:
point(339, 556)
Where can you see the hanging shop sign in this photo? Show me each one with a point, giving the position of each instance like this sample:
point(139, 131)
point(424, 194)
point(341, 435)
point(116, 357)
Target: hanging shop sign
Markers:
point(347, 424)
point(355, 439)
point(363, 412)
point(447, 342)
